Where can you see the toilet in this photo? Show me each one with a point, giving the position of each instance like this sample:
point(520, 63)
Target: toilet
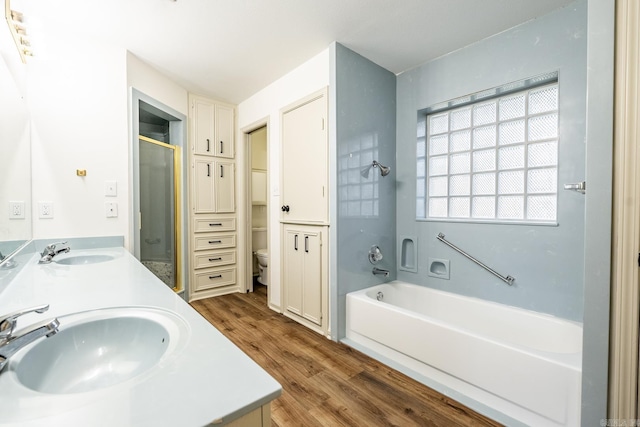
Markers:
point(263, 277)
point(259, 245)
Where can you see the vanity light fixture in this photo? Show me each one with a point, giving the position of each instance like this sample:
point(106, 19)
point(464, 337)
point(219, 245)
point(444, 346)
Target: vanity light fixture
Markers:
point(15, 20)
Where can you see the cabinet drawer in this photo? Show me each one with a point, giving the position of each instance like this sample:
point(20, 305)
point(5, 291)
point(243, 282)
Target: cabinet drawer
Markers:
point(213, 259)
point(214, 241)
point(214, 278)
point(201, 225)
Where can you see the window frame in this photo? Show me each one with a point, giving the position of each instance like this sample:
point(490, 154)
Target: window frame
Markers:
point(493, 97)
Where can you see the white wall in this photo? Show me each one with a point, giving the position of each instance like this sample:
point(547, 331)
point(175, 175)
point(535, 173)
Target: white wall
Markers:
point(156, 85)
point(15, 151)
point(309, 77)
point(77, 96)
point(78, 99)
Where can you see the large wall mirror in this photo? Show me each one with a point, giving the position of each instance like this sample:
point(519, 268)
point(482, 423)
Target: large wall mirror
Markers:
point(15, 162)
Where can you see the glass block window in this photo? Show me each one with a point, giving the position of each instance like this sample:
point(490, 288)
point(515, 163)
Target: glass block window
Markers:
point(491, 159)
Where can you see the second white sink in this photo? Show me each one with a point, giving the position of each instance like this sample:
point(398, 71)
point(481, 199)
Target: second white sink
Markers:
point(83, 259)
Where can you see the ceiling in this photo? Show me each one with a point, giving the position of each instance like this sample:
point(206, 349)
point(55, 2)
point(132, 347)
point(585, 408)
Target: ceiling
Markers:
point(230, 49)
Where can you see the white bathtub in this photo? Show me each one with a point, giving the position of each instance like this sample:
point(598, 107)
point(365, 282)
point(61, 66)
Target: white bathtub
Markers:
point(519, 363)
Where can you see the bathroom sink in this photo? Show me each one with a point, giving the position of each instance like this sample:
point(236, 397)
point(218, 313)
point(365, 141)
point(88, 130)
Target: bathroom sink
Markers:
point(83, 259)
point(101, 348)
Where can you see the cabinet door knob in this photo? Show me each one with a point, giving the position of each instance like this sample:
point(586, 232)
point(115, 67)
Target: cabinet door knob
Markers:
point(285, 208)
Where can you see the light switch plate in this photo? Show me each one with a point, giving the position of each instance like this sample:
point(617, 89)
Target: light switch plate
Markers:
point(111, 209)
point(110, 188)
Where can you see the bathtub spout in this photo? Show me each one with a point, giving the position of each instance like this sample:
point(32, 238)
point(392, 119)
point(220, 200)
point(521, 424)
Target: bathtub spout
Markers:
point(379, 271)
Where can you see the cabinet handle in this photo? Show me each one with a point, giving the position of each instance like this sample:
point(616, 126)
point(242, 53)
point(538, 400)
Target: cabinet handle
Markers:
point(214, 241)
point(219, 276)
point(285, 208)
point(208, 169)
point(215, 224)
point(208, 145)
point(295, 242)
point(221, 147)
point(306, 243)
point(221, 171)
point(215, 259)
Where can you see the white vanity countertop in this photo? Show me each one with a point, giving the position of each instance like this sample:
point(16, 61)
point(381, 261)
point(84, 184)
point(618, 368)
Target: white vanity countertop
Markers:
point(208, 380)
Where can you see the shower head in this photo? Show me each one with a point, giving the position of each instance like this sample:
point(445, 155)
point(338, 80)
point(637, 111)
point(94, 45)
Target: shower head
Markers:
point(384, 170)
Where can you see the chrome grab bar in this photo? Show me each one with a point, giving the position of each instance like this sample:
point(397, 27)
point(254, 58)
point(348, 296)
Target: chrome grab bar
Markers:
point(508, 279)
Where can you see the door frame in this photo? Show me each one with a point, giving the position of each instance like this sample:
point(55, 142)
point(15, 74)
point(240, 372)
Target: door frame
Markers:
point(625, 280)
point(247, 253)
point(178, 134)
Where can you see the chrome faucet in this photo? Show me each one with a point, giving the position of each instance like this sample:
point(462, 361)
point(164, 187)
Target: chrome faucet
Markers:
point(10, 343)
point(380, 272)
point(52, 250)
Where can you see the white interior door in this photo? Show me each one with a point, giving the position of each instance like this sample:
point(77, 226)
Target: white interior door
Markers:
point(304, 162)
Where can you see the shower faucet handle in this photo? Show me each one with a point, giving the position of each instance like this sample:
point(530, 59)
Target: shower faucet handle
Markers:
point(375, 254)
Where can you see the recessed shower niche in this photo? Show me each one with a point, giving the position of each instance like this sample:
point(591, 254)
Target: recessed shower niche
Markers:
point(408, 253)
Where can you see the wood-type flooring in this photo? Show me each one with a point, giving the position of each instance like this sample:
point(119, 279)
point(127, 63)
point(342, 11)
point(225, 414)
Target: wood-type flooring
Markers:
point(327, 383)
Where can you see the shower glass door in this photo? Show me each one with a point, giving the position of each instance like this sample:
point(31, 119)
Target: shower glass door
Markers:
point(159, 193)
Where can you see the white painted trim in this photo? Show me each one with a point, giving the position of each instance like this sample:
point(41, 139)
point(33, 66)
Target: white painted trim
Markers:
point(246, 256)
point(625, 307)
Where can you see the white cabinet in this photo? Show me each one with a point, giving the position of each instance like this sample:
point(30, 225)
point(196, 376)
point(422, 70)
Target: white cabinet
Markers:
point(260, 417)
point(305, 212)
point(304, 274)
point(213, 260)
point(212, 201)
point(213, 129)
point(225, 186)
point(213, 186)
point(304, 162)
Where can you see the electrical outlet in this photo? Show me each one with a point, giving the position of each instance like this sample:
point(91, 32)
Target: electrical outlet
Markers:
point(45, 210)
point(16, 210)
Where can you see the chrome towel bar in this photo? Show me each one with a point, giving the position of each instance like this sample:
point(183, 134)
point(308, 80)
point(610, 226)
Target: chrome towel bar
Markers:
point(508, 279)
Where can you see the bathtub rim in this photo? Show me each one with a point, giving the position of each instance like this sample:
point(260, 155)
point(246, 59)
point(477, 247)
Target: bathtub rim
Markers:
point(569, 359)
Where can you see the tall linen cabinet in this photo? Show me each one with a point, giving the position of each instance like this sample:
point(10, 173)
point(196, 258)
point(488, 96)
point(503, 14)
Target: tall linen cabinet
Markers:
point(305, 212)
point(212, 199)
